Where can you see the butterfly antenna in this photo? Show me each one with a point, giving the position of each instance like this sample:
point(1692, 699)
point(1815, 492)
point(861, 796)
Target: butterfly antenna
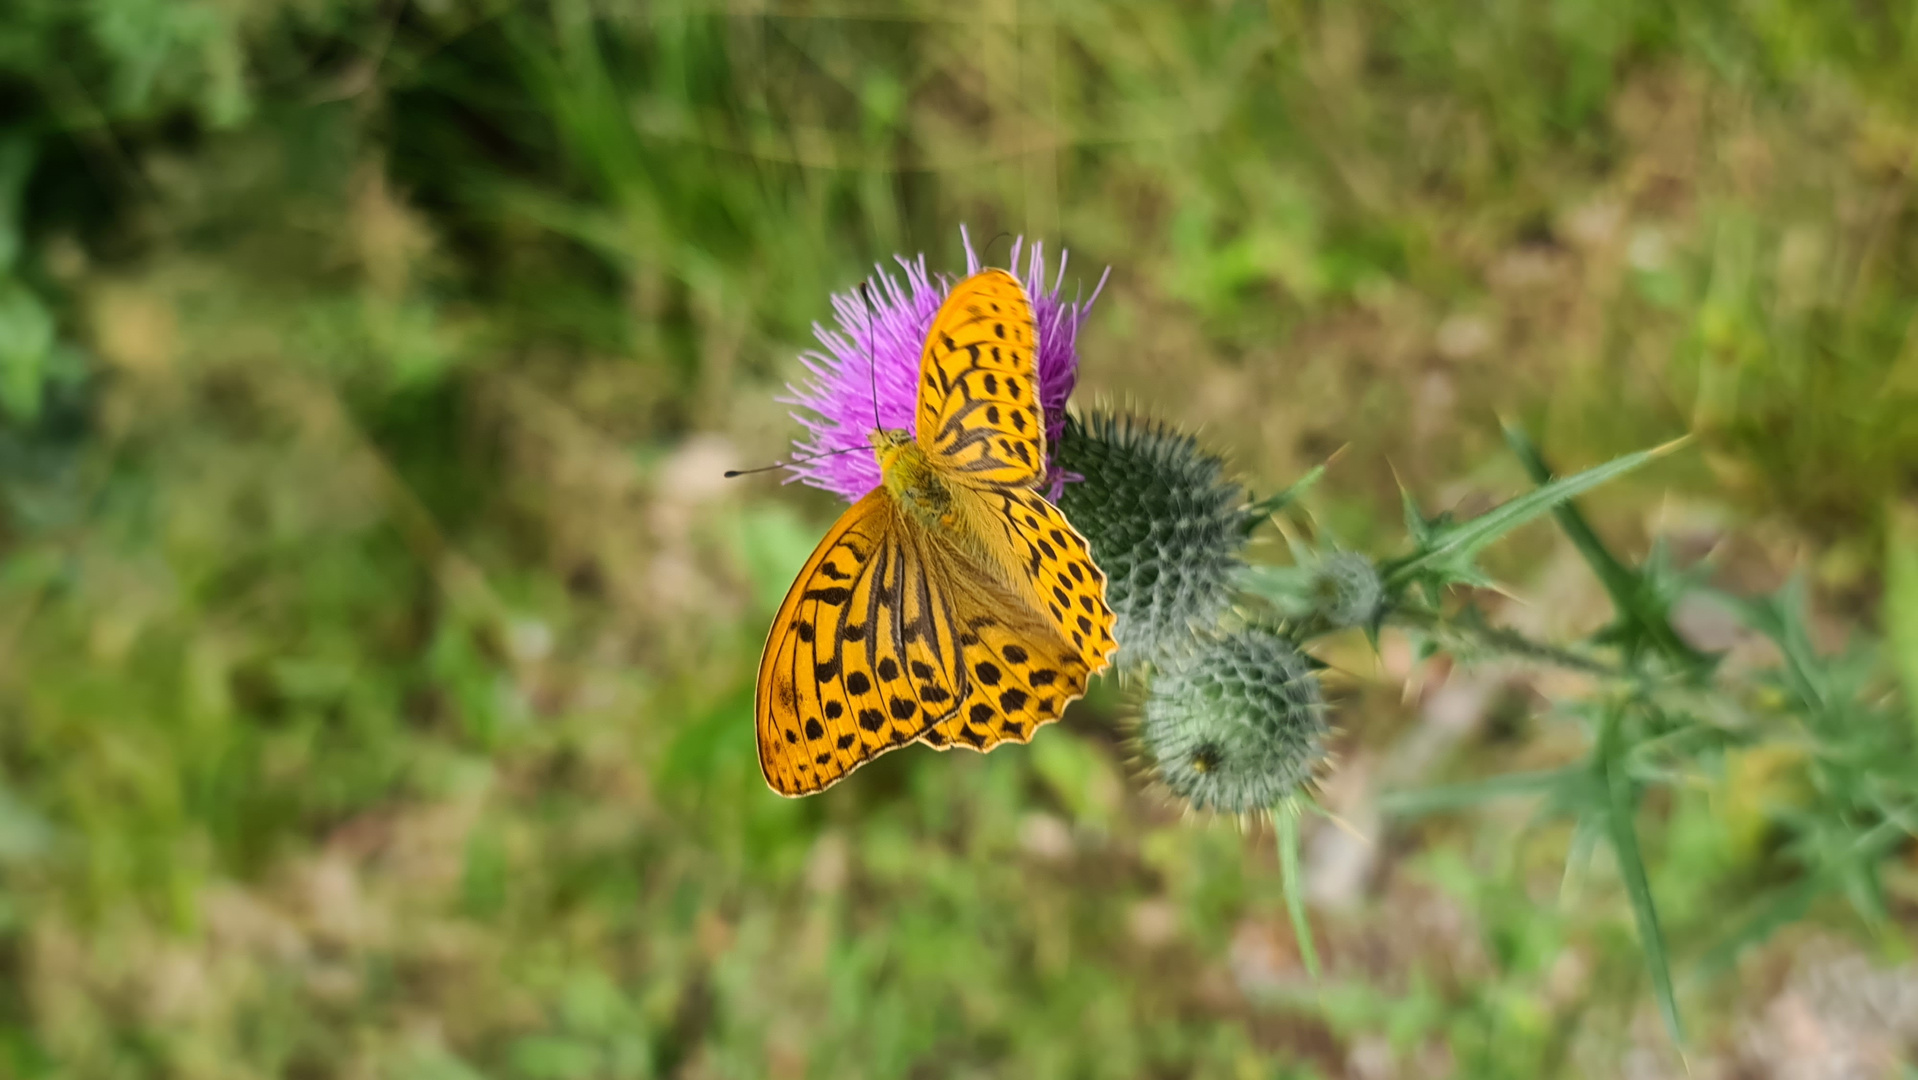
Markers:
point(872, 353)
point(985, 257)
point(730, 473)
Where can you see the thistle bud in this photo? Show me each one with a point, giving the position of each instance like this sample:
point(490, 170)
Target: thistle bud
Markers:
point(1347, 590)
point(1164, 523)
point(1237, 723)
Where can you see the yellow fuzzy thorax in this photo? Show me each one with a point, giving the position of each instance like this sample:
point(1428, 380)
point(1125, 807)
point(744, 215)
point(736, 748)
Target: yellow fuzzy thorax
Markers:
point(912, 478)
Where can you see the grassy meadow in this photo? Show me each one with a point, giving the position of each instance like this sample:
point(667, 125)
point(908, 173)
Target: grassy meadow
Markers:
point(377, 633)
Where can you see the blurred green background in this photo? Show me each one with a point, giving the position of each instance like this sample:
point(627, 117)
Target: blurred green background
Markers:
point(377, 634)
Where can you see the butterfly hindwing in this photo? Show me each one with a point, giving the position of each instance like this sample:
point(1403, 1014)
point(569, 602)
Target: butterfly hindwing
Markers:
point(979, 412)
point(1017, 674)
point(1050, 565)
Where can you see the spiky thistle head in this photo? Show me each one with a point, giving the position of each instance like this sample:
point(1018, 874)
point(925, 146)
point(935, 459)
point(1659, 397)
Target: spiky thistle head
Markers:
point(1237, 723)
point(869, 368)
point(1164, 522)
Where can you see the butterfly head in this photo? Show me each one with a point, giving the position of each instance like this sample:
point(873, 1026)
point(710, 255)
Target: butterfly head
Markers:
point(887, 442)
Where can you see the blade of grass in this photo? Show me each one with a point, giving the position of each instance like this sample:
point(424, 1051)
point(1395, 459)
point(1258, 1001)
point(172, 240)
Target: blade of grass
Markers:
point(1453, 796)
point(1901, 600)
point(1286, 816)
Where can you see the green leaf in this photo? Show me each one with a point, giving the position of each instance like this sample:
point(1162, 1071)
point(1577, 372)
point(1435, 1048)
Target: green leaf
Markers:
point(17, 152)
point(1286, 816)
point(1901, 600)
point(1448, 549)
point(24, 834)
point(1623, 810)
point(26, 339)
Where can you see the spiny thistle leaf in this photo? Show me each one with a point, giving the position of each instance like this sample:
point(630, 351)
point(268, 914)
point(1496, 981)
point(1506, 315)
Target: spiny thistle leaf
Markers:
point(1445, 551)
point(1643, 597)
point(1279, 500)
point(1622, 807)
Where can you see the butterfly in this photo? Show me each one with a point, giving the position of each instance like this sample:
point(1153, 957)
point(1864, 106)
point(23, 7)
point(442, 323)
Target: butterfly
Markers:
point(952, 605)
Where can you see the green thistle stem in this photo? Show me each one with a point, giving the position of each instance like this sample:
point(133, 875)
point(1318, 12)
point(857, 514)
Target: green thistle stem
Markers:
point(1501, 640)
point(1286, 816)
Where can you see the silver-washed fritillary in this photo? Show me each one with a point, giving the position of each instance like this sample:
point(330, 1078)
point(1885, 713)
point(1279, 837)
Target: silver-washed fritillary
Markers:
point(952, 605)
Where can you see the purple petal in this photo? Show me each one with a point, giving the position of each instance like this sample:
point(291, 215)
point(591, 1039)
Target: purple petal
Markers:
point(867, 368)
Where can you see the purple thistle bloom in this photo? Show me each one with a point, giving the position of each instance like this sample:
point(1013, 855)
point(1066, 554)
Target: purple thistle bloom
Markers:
point(868, 374)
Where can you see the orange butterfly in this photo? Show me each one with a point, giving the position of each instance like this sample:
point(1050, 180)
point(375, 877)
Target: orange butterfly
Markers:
point(952, 605)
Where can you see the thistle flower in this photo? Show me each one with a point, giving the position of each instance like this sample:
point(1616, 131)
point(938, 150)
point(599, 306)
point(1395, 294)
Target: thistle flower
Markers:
point(869, 369)
point(1236, 723)
point(1164, 524)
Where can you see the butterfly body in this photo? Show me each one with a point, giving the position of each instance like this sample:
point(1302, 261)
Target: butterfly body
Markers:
point(952, 605)
point(913, 481)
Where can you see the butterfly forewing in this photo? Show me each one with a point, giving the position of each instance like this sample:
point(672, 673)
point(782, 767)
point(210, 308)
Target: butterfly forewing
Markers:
point(856, 661)
point(979, 411)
